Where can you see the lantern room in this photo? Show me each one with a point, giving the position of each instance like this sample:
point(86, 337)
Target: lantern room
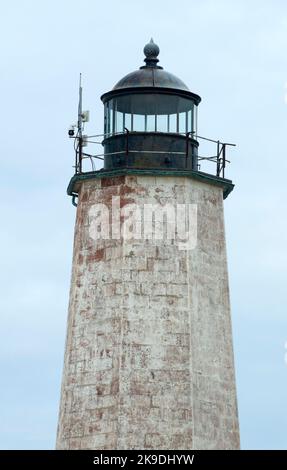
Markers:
point(150, 119)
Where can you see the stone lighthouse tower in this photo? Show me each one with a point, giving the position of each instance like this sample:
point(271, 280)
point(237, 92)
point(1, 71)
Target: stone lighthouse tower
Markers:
point(149, 356)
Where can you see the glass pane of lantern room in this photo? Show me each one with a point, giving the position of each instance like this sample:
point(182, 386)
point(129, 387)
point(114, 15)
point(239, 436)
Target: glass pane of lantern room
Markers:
point(119, 120)
point(189, 121)
point(139, 122)
point(105, 119)
point(108, 118)
point(152, 112)
point(150, 123)
point(128, 121)
point(182, 123)
point(111, 120)
point(161, 123)
point(172, 122)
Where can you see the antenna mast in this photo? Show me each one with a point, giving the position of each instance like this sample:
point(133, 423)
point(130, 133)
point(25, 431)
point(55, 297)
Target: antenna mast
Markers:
point(80, 127)
point(80, 139)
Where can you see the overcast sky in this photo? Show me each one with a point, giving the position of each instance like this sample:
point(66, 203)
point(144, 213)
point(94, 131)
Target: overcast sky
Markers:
point(233, 54)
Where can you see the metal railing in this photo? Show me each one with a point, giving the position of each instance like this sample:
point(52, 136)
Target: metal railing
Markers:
point(219, 159)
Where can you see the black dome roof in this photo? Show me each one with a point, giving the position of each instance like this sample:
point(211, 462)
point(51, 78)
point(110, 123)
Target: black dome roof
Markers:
point(151, 77)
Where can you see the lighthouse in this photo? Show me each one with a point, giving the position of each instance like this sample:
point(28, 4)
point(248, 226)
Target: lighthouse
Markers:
point(149, 356)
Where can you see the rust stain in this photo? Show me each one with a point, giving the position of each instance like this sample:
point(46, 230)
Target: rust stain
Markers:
point(117, 180)
point(98, 255)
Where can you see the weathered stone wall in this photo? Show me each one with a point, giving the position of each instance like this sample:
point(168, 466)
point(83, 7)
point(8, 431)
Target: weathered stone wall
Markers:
point(149, 359)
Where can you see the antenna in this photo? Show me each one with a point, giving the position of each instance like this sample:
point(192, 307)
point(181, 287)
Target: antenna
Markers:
point(80, 139)
point(80, 125)
point(80, 106)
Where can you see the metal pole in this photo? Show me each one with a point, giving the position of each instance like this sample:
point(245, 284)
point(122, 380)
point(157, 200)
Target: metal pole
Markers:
point(127, 145)
point(223, 159)
point(217, 160)
point(76, 161)
point(80, 124)
point(186, 149)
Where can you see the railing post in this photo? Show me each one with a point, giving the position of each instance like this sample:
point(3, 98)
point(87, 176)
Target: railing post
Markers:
point(187, 148)
point(223, 159)
point(218, 160)
point(127, 144)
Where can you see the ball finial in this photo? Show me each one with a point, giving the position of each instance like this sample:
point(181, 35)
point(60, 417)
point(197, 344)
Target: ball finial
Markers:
point(151, 51)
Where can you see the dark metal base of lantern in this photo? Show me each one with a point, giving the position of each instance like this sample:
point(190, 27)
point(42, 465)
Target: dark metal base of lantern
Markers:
point(150, 150)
